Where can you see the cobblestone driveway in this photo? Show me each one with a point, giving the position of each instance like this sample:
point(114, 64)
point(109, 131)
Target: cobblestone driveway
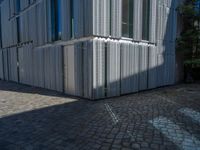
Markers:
point(37, 119)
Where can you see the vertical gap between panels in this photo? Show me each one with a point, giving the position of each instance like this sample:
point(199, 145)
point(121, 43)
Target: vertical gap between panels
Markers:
point(7, 51)
point(120, 75)
point(82, 68)
point(63, 69)
point(106, 57)
point(17, 49)
point(3, 65)
point(148, 65)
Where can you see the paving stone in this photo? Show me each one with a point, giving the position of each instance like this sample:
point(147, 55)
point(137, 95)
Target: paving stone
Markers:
point(135, 146)
point(35, 118)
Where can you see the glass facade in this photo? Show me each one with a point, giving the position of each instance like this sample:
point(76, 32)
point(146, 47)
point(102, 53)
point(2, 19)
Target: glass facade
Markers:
point(56, 19)
point(17, 6)
point(145, 20)
point(18, 29)
point(127, 18)
point(72, 17)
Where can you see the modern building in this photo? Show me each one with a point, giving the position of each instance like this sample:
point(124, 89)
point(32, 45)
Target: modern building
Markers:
point(89, 48)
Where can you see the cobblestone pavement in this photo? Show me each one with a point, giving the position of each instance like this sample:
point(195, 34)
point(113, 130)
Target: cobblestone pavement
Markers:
point(38, 119)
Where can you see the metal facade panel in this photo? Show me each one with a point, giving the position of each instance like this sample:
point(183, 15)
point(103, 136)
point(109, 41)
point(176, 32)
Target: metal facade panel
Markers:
point(1, 65)
point(21, 65)
point(113, 68)
point(152, 67)
point(129, 67)
point(24, 4)
point(153, 20)
point(172, 68)
point(160, 22)
point(66, 19)
point(6, 26)
point(73, 66)
point(87, 69)
point(29, 65)
point(69, 69)
point(137, 15)
point(47, 73)
point(78, 68)
point(14, 32)
point(166, 35)
point(24, 34)
point(143, 67)
point(59, 69)
point(12, 62)
point(25, 64)
point(116, 18)
point(53, 76)
point(49, 21)
point(32, 1)
point(134, 66)
point(169, 69)
point(88, 18)
point(5, 64)
point(78, 18)
point(12, 7)
point(33, 21)
point(101, 17)
point(166, 69)
point(98, 68)
point(160, 70)
point(41, 24)
point(38, 67)
point(41, 67)
point(125, 83)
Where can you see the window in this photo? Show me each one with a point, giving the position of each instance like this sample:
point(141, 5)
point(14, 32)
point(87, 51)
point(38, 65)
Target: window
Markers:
point(145, 20)
point(127, 18)
point(17, 6)
point(18, 29)
point(72, 17)
point(56, 19)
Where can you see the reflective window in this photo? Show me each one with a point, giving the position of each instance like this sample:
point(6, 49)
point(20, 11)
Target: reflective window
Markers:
point(17, 6)
point(72, 17)
point(18, 29)
point(127, 18)
point(145, 20)
point(56, 19)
